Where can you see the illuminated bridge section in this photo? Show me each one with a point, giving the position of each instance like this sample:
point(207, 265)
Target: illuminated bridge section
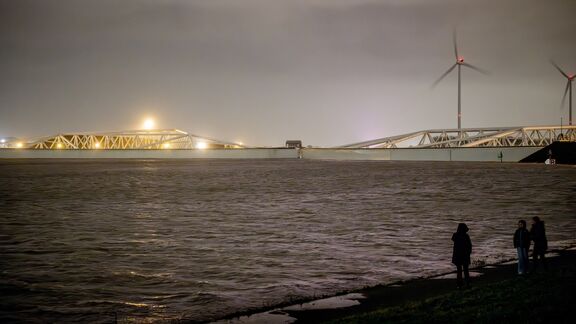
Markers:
point(128, 140)
point(538, 136)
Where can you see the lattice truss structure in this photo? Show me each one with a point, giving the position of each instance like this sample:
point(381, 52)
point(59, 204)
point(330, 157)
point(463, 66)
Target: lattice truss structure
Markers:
point(128, 140)
point(475, 137)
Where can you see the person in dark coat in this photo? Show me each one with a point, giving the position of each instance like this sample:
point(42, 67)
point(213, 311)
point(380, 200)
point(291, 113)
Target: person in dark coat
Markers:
point(538, 235)
point(522, 244)
point(461, 253)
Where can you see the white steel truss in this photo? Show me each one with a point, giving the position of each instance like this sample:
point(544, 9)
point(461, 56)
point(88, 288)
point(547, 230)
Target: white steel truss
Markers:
point(128, 140)
point(475, 137)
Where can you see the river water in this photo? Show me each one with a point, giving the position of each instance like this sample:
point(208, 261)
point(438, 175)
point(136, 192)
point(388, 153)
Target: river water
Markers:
point(153, 240)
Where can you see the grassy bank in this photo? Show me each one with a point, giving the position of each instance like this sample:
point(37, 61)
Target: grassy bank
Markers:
point(537, 298)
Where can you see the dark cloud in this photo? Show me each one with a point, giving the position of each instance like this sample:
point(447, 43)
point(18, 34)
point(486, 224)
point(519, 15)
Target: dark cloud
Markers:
point(328, 72)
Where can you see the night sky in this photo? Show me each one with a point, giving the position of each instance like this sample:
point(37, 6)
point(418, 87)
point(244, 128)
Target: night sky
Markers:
point(328, 72)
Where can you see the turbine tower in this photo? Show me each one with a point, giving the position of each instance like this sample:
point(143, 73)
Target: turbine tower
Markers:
point(459, 63)
point(570, 78)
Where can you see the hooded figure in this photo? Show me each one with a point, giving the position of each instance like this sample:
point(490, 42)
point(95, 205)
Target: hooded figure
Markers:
point(462, 246)
point(461, 253)
point(538, 235)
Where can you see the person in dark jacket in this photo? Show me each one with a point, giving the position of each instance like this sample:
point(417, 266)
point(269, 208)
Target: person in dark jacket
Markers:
point(522, 244)
point(461, 253)
point(538, 235)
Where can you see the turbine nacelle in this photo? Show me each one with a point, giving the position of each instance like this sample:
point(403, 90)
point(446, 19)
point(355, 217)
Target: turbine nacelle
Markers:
point(459, 60)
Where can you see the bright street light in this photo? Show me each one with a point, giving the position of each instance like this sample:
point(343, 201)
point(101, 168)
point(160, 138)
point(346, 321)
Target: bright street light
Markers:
point(148, 124)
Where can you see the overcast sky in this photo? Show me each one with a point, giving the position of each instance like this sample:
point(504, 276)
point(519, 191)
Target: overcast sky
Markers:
point(328, 72)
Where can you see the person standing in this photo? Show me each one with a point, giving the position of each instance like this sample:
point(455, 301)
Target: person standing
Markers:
point(461, 253)
point(538, 235)
point(522, 244)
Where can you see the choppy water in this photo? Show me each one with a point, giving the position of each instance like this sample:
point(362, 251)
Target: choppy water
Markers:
point(149, 240)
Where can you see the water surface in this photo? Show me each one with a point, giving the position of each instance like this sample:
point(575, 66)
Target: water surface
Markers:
point(147, 240)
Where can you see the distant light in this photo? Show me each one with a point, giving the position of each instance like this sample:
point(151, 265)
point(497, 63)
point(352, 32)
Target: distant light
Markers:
point(201, 145)
point(59, 145)
point(97, 145)
point(19, 145)
point(166, 145)
point(2, 141)
point(240, 143)
point(148, 124)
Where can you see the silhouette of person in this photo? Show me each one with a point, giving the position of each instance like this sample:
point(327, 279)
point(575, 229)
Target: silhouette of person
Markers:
point(522, 244)
point(461, 253)
point(538, 235)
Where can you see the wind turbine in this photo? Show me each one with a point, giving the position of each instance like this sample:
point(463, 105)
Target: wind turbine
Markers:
point(459, 63)
point(568, 90)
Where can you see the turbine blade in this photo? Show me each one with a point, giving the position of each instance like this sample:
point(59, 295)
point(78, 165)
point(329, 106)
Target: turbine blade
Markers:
point(443, 75)
point(476, 68)
point(455, 44)
point(564, 96)
point(559, 69)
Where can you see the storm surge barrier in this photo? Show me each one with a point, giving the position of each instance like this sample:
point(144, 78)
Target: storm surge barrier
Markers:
point(539, 136)
point(497, 144)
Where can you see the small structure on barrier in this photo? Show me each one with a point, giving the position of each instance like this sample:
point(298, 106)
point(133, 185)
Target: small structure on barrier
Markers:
point(294, 144)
